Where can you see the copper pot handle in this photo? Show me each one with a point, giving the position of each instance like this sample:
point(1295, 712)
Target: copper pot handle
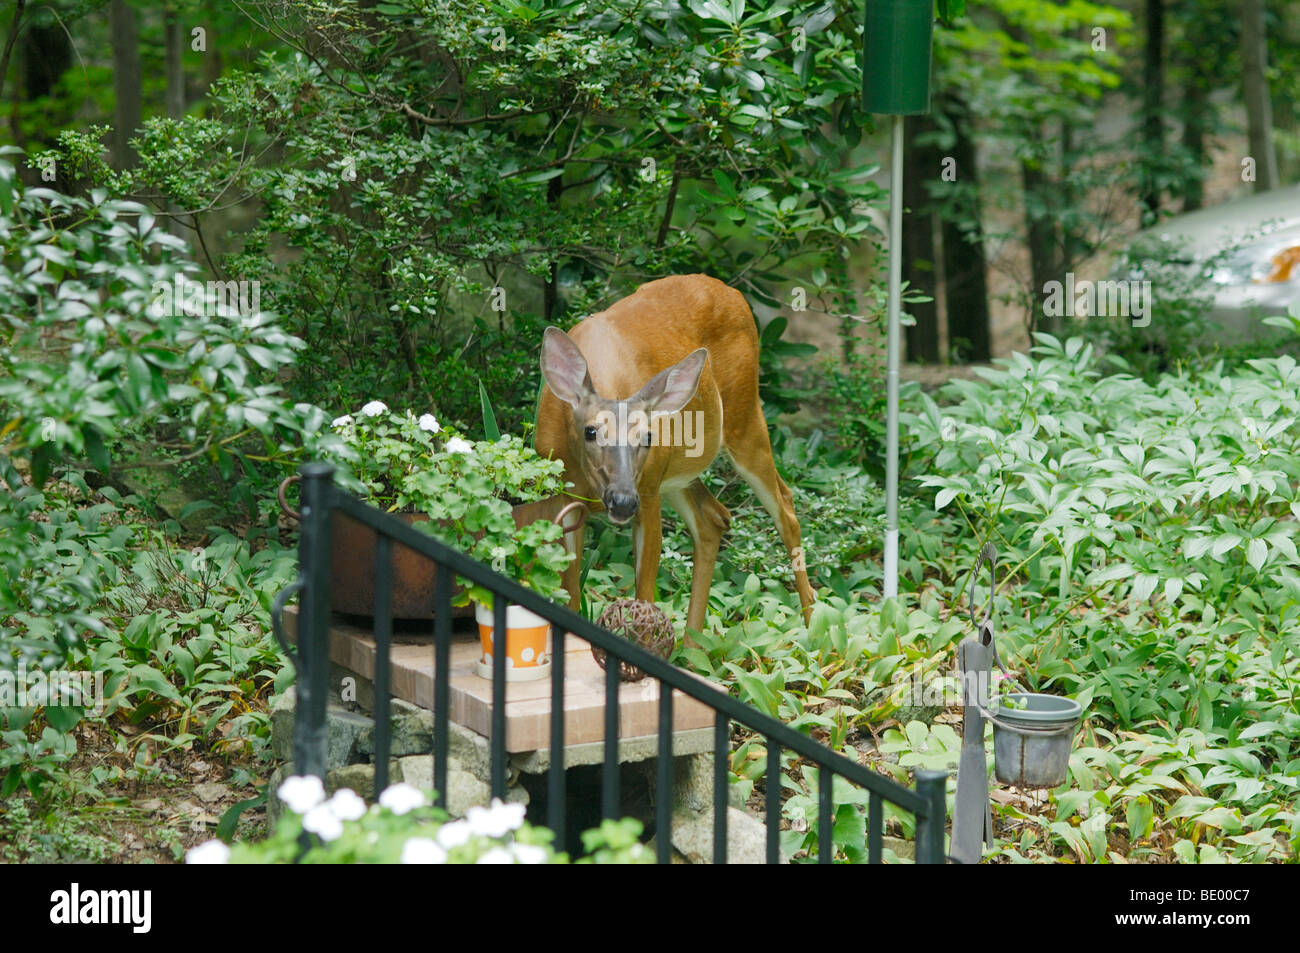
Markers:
point(284, 503)
point(568, 508)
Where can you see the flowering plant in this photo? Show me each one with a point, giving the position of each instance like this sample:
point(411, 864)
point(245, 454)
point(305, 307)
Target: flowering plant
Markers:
point(403, 828)
point(403, 463)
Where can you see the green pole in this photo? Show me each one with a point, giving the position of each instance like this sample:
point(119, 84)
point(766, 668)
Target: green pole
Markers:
point(895, 82)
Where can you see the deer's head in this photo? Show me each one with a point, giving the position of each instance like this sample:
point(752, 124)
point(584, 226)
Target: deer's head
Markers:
point(613, 438)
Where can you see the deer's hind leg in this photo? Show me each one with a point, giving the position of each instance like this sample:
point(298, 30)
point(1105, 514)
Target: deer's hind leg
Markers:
point(750, 450)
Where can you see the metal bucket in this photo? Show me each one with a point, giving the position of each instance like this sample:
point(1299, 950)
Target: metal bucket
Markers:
point(1031, 745)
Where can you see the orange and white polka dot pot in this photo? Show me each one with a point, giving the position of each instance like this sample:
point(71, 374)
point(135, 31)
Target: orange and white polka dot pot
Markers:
point(528, 651)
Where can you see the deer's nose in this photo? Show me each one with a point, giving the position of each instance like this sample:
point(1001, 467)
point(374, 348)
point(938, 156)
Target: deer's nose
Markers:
point(620, 505)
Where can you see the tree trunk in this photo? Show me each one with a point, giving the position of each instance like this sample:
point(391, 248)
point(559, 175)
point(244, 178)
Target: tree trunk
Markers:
point(1044, 249)
point(1254, 90)
point(47, 54)
point(15, 26)
point(126, 81)
point(1196, 105)
point(1153, 124)
point(920, 165)
point(212, 55)
point(173, 41)
point(966, 297)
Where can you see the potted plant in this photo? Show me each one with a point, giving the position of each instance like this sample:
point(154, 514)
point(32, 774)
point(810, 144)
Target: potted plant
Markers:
point(471, 514)
point(432, 478)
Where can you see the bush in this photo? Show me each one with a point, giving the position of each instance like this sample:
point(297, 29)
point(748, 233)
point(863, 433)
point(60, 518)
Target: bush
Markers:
point(432, 183)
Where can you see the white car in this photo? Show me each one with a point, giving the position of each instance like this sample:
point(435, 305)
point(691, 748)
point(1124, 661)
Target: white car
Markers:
point(1257, 278)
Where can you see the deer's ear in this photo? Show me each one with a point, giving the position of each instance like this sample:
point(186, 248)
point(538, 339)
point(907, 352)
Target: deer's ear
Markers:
point(564, 367)
point(672, 389)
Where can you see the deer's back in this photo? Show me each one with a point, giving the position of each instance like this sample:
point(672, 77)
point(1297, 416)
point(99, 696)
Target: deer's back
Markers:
point(661, 323)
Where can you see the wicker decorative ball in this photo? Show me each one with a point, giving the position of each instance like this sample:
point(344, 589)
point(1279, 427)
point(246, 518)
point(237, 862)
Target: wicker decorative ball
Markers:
point(641, 623)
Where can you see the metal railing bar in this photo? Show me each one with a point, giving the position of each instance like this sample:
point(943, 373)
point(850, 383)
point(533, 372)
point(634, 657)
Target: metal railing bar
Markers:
point(441, 680)
point(555, 778)
point(773, 799)
point(664, 778)
point(313, 618)
point(383, 658)
point(825, 823)
point(655, 667)
point(499, 644)
point(932, 786)
point(609, 787)
point(320, 498)
point(875, 828)
point(721, 785)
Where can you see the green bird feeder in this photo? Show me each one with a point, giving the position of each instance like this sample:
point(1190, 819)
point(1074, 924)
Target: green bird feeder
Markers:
point(896, 82)
point(896, 57)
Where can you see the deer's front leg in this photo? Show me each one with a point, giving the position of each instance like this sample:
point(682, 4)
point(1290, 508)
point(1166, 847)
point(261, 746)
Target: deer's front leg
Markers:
point(572, 575)
point(647, 540)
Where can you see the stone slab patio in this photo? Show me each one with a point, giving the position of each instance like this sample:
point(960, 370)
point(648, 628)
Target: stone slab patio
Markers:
point(528, 704)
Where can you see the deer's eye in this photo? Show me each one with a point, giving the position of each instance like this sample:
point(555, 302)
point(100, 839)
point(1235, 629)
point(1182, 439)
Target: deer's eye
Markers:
point(589, 433)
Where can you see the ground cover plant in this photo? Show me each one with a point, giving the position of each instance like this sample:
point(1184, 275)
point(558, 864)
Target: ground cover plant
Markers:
point(1147, 541)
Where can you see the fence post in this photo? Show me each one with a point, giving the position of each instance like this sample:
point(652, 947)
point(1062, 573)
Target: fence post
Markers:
point(932, 786)
point(309, 737)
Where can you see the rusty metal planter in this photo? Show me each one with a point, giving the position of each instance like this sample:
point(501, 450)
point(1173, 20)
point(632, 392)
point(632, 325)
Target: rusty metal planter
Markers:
point(353, 560)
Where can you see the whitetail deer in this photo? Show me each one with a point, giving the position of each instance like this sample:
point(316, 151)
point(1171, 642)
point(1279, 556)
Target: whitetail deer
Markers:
point(679, 351)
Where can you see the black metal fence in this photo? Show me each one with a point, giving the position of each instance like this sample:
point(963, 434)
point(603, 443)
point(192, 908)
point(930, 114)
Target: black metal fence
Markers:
point(320, 499)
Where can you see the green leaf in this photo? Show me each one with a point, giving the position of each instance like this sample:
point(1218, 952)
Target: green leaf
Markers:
point(490, 429)
point(1257, 553)
point(144, 677)
point(1140, 816)
point(230, 819)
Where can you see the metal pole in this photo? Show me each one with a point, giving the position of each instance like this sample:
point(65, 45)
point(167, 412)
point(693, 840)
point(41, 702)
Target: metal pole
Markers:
point(891, 376)
point(931, 785)
point(313, 619)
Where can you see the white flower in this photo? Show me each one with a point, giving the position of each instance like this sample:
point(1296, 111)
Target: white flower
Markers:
point(301, 792)
point(430, 423)
point(321, 820)
point(346, 805)
point(338, 423)
point(401, 798)
point(529, 853)
point(459, 445)
point(453, 835)
point(497, 855)
point(495, 821)
point(209, 852)
point(423, 850)
point(374, 409)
